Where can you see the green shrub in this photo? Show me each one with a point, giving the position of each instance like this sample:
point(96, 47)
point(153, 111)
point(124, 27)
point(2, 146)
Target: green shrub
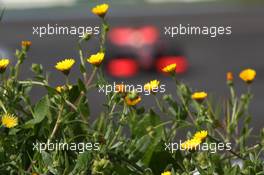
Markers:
point(125, 139)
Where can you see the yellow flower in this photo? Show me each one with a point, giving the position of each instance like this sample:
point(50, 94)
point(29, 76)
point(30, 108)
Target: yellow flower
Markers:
point(169, 68)
point(152, 86)
point(100, 10)
point(65, 65)
point(191, 144)
point(9, 120)
point(201, 135)
point(229, 76)
point(132, 99)
point(199, 96)
point(248, 75)
point(3, 65)
point(26, 44)
point(166, 173)
point(61, 89)
point(96, 59)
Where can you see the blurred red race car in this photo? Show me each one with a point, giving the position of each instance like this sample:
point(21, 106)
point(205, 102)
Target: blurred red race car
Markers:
point(141, 49)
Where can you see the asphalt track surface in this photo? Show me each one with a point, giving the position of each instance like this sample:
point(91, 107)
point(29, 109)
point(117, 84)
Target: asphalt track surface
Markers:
point(209, 58)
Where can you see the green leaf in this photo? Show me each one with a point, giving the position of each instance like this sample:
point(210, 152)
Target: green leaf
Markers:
point(47, 159)
point(121, 169)
point(139, 123)
point(155, 138)
point(41, 108)
point(234, 170)
point(81, 86)
point(74, 93)
point(37, 69)
point(14, 131)
point(140, 110)
point(160, 159)
point(82, 69)
point(40, 111)
point(84, 109)
point(51, 91)
point(81, 163)
point(176, 110)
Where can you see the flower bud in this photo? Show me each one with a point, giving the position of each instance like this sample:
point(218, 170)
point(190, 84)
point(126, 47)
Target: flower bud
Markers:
point(87, 36)
point(229, 76)
point(26, 45)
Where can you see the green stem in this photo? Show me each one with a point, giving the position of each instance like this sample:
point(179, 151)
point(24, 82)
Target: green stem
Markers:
point(67, 81)
point(119, 129)
point(162, 124)
point(164, 129)
point(123, 159)
point(233, 94)
point(17, 67)
point(2, 106)
point(77, 103)
point(248, 90)
point(91, 86)
point(112, 110)
point(89, 81)
point(253, 147)
point(110, 101)
point(71, 105)
point(21, 56)
point(3, 79)
point(231, 151)
point(172, 132)
point(104, 30)
point(56, 126)
point(177, 83)
point(32, 82)
point(82, 60)
point(158, 103)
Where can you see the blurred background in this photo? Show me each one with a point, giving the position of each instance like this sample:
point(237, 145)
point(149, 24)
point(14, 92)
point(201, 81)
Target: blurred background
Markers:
point(137, 46)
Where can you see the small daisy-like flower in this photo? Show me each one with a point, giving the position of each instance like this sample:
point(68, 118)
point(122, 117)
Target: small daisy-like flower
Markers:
point(229, 76)
point(9, 120)
point(100, 10)
point(65, 66)
point(3, 64)
point(201, 135)
point(61, 89)
point(166, 173)
point(133, 102)
point(169, 68)
point(132, 99)
point(248, 75)
point(152, 86)
point(191, 144)
point(26, 45)
point(96, 59)
point(199, 96)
